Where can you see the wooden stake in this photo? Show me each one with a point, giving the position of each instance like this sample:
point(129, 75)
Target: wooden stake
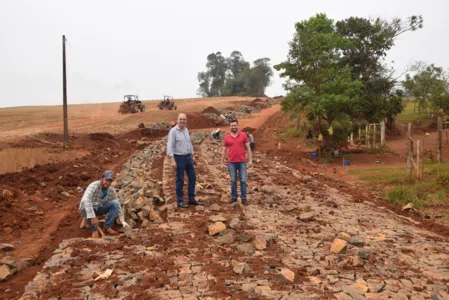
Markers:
point(382, 132)
point(409, 145)
point(418, 160)
point(366, 135)
point(440, 138)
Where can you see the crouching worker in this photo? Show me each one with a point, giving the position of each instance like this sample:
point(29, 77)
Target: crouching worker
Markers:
point(215, 134)
point(99, 199)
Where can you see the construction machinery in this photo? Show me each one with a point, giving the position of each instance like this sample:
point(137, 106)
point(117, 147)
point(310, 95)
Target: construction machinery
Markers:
point(167, 103)
point(131, 104)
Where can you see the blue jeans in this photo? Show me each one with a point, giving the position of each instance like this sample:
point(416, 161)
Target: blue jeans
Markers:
point(184, 164)
point(233, 167)
point(110, 208)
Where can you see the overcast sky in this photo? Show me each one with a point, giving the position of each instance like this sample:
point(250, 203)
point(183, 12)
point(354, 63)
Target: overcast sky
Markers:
point(155, 48)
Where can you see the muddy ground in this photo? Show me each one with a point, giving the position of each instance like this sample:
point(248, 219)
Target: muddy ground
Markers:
point(43, 211)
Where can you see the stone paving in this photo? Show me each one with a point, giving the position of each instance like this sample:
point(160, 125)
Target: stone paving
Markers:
point(298, 239)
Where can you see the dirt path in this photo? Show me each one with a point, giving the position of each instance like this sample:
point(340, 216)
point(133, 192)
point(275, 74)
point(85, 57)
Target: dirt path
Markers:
point(298, 239)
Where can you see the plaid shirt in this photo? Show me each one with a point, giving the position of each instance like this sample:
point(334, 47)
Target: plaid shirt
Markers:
point(92, 200)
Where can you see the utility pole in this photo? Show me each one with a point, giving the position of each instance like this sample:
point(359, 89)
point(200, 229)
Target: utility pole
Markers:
point(64, 93)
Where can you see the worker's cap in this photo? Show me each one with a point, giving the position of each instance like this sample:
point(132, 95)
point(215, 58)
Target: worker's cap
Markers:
point(108, 175)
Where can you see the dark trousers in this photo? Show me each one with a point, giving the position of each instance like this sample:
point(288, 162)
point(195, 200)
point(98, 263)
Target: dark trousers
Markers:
point(184, 164)
point(252, 146)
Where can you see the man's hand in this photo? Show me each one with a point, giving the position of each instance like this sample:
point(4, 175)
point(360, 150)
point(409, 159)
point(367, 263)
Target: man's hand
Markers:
point(124, 224)
point(173, 163)
point(94, 221)
point(193, 160)
point(250, 164)
point(223, 166)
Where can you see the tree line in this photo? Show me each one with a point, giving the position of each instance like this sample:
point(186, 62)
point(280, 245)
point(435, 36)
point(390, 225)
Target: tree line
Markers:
point(429, 86)
point(336, 71)
point(233, 76)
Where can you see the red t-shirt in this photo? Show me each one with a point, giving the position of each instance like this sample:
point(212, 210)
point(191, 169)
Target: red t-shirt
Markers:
point(236, 146)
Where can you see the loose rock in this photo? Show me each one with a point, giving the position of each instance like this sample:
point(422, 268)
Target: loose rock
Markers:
point(65, 194)
point(260, 243)
point(7, 195)
point(5, 272)
point(288, 275)
point(216, 228)
point(247, 248)
point(306, 217)
point(344, 236)
point(364, 253)
point(234, 223)
point(215, 207)
point(338, 246)
point(6, 247)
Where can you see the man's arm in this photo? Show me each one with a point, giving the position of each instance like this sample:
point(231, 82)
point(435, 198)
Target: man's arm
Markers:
point(87, 201)
point(223, 155)
point(170, 146)
point(250, 154)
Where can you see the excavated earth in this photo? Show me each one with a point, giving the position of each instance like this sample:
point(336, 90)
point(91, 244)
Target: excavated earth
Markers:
point(298, 239)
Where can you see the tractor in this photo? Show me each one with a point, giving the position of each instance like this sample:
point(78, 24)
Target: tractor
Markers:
point(131, 104)
point(167, 103)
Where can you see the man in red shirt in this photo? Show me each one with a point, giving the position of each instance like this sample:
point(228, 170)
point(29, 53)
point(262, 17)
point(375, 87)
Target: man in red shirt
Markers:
point(234, 146)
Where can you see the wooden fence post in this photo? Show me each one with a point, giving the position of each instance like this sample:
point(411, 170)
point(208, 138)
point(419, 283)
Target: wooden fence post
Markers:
point(382, 132)
point(409, 147)
point(366, 135)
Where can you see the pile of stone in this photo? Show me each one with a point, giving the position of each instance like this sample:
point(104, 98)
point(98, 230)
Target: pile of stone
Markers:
point(275, 100)
point(140, 194)
point(236, 114)
point(211, 116)
point(245, 109)
point(161, 125)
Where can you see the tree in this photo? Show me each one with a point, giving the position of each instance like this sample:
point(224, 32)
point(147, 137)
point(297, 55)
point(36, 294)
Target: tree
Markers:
point(366, 43)
point(233, 76)
point(316, 83)
point(394, 105)
point(336, 71)
point(428, 86)
point(236, 64)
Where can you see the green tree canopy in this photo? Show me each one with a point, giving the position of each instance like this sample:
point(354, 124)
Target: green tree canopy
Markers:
point(337, 70)
point(233, 76)
point(429, 86)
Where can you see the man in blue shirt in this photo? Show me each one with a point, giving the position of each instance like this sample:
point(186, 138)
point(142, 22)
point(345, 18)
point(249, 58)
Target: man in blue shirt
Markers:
point(180, 152)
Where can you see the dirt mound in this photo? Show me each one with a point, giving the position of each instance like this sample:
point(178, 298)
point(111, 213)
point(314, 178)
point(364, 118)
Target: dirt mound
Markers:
point(210, 110)
point(44, 209)
point(229, 108)
point(101, 136)
point(249, 129)
point(138, 134)
point(199, 121)
point(259, 103)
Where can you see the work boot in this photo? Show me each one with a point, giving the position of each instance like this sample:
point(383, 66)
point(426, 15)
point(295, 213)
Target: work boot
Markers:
point(233, 200)
point(111, 231)
point(245, 202)
point(95, 235)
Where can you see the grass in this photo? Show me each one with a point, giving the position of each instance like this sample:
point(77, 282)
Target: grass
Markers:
point(16, 159)
point(398, 188)
point(408, 116)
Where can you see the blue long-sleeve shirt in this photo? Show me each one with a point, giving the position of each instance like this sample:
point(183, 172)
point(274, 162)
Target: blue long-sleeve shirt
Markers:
point(179, 142)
